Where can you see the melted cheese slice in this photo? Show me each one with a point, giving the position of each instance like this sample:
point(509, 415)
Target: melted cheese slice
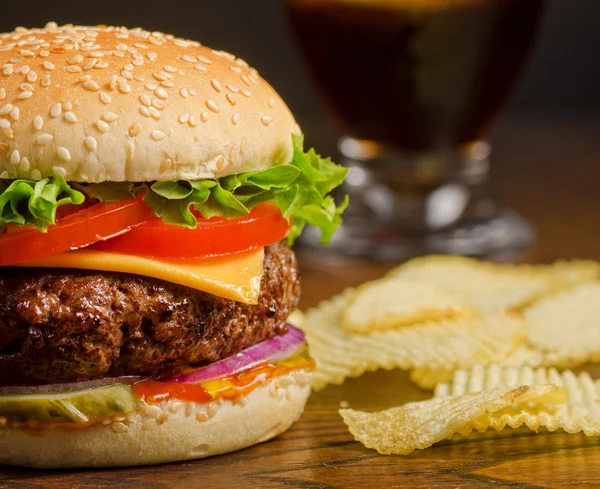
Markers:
point(234, 277)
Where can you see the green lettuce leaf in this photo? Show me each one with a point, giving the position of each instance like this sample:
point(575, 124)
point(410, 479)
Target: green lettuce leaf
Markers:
point(27, 202)
point(301, 190)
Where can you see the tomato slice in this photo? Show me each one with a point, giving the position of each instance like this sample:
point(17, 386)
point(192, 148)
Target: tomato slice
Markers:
point(264, 225)
point(76, 230)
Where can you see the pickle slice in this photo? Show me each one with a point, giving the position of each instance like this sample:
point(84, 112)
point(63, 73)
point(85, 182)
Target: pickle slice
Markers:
point(69, 407)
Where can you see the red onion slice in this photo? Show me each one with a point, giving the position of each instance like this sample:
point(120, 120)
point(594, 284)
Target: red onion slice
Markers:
point(276, 348)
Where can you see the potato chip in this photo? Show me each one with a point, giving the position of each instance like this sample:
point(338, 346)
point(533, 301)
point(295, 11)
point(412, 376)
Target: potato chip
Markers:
point(566, 327)
point(387, 304)
point(418, 425)
point(296, 318)
point(427, 378)
point(491, 287)
point(580, 414)
point(454, 344)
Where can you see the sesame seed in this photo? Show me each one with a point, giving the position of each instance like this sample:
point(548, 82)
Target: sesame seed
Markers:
point(46, 80)
point(45, 53)
point(63, 153)
point(56, 110)
point(48, 66)
point(110, 117)
point(266, 120)
point(216, 85)
point(157, 135)
point(138, 61)
point(183, 118)
point(4, 124)
point(128, 67)
point(119, 427)
point(159, 104)
point(90, 64)
point(202, 416)
point(135, 129)
point(202, 59)
point(184, 92)
point(124, 87)
point(91, 143)
point(74, 69)
point(113, 82)
point(188, 59)
point(36, 174)
point(44, 139)
point(236, 69)
point(2, 93)
point(127, 75)
point(24, 95)
point(200, 67)
point(233, 88)
point(59, 170)
point(7, 70)
point(27, 86)
point(6, 109)
point(105, 98)
point(212, 409)
point(85, 78)
point(144, 110)
point(154, 113)
point(102, 65)
point(32, 76)
point(231, 98)
point(91, 85)
point(149, 424)
point(25, 69)
point(102, 126)
point(271, 102)
point(15, 157)
point(176, 406)
point(38, 123)
point(246, 80)
point(192, 122)
point(119, 54)
point(145, 99)
point(170, 69)
point(245, 92)
point(235, 118)
point(76, 59)
point(163, 418)
point(192, 91)
point(67, 105)
point(70, 117)
point(211, 104)
point(24, 165)
point(161, 93)
point(14, 114)
point(26, 53)
point(168, 83)
point(151, 86)
point(204, 116)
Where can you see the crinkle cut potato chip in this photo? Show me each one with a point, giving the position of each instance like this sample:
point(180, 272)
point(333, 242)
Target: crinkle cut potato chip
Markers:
point(580, 414)
point(459, 343)
point(566, 326)
point(494, 287)
point(427, 378)
point(388, 304)
point(418, 425)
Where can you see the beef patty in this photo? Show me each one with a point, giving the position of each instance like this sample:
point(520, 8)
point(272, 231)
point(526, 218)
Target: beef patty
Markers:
point(65, 325)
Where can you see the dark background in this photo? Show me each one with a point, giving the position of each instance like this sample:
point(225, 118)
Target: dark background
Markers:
point(562, 79)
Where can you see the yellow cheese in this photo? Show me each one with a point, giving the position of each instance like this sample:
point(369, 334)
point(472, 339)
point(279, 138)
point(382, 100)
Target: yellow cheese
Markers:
point(234, 277)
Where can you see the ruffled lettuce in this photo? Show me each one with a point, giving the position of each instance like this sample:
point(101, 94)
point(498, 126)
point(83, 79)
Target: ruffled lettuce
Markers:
point(300, 189)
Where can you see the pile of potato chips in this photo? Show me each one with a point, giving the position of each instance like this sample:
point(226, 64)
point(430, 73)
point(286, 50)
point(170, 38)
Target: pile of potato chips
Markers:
point(488, 339)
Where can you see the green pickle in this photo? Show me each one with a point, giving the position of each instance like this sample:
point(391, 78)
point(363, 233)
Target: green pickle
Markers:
point(69, 407)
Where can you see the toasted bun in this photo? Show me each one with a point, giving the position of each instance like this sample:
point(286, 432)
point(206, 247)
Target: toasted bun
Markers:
point(168, 432)
point(101, 104)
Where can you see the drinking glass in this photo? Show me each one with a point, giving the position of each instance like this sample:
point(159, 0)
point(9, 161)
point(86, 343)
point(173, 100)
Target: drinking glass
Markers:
point(415, 86)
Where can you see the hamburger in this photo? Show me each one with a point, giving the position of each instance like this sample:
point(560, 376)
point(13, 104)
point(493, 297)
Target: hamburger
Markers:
point(150, 189)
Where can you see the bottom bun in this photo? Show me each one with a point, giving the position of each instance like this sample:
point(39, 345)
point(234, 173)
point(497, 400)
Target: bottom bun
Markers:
point(166, 432)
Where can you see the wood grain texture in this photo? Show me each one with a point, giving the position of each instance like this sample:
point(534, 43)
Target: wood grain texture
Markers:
point(550, 171)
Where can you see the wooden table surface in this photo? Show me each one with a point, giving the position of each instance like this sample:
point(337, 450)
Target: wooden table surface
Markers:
point(550, 171)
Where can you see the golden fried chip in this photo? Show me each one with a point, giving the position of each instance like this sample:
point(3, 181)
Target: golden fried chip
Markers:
point(455, 344)
point(496, 287)
point(296, 318)
point(418, 425)
point(427, 378)
point(566, 327)
point(580, 414)
point(386, 304)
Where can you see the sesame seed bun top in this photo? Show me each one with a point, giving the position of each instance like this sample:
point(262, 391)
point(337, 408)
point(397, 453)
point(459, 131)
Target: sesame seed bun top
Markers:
point(98, 104)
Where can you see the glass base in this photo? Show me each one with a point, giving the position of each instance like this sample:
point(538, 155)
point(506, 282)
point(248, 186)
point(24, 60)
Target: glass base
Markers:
point(503, 238)
point(404, 205)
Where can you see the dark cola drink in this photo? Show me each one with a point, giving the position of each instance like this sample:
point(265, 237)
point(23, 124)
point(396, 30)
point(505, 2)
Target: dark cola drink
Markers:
point(415, 75)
